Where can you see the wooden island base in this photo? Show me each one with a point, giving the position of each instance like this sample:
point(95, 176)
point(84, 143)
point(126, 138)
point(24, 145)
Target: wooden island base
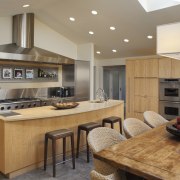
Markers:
point(22, 138)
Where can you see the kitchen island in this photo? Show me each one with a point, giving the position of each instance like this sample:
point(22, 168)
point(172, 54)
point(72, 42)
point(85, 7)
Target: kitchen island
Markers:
point(22, 136)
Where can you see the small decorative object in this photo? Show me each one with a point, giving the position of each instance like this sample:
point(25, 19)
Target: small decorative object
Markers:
point(18, 73)
point(7, 73)
point(29, 73)
point(66, 105)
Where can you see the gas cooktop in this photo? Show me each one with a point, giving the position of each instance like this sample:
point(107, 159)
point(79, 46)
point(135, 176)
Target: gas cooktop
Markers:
point(23, 103)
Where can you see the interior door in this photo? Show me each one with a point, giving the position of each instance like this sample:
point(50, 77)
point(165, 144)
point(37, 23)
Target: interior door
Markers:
point(114, 82)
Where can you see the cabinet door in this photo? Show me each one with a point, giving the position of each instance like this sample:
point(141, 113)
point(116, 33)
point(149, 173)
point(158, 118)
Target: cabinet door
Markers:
point(152, 87)
point(175, 73)
point(139, 86)
point(129, 88)
point(152, 69)
point(152, 104)
point(140, 68)
point(139, 104)
point(165, 68)
point(139, 116)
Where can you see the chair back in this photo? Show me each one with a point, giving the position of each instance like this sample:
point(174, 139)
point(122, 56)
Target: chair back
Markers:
point(103, 137)
point(153, 119)
point(97, 176)
point(133, 127)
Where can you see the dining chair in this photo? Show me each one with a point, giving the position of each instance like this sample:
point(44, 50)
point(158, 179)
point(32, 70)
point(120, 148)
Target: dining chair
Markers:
point(99, 139)
point(133, 127)
point(97, 176)
point(153, 119)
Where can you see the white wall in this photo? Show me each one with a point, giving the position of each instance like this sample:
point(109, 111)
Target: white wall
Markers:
point(47, 38)
point(110, 62)
point(85, 52)
point(6, 30)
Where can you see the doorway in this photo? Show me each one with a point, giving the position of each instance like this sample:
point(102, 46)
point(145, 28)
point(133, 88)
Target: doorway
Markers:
point(114, 82)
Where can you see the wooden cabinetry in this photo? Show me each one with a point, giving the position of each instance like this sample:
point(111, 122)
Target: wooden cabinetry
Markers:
point(142, 77)
point(175, 68)
point(146, 68)
point(165, 68)
point(129, 88)
point(144, 94)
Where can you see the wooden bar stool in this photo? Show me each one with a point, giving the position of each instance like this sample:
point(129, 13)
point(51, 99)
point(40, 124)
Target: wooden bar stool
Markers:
point(112, 120)
point(55, 135)
point(85, 127)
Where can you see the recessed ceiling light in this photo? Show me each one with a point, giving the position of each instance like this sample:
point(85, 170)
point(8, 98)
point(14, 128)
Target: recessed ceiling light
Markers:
point(94, 12)
point(112, 28)
point(72, 19)
point(91, 32)
point(126, 40)
point(26, 5)
point(98, 52)
point(114, 50)
point(149, 37)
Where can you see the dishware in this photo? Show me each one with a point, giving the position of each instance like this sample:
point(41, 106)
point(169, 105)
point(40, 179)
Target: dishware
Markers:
point(66, 105)
point(171, 128)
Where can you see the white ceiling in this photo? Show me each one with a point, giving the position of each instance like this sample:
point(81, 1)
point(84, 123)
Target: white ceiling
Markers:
point(128, 16)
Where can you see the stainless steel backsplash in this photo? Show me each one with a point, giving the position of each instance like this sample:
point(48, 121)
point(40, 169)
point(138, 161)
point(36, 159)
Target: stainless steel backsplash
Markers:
point(23, 93)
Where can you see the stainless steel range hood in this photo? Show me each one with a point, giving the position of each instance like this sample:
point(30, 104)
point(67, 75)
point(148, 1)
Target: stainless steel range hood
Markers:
point(23, 48)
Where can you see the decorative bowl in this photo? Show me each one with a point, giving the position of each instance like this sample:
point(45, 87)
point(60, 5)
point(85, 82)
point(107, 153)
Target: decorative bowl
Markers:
point(173, 130)
point(66, 105)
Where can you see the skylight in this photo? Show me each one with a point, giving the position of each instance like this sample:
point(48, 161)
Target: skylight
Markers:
point(153, 5)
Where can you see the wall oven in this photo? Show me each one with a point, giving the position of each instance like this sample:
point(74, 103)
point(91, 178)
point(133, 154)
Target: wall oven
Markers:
point(169, 89)
point(169, 102)
point(169, 109)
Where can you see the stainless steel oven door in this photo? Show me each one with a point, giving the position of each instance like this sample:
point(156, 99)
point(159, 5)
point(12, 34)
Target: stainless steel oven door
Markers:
point(169, 91)
point(169, 110)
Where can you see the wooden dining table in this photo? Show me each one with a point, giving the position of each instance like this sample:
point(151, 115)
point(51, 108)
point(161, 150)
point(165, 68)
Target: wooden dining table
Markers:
point(154, 154)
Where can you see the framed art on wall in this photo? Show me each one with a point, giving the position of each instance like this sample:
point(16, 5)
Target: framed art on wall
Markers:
point(18, 73)
point(7, 73)
point(29, 73)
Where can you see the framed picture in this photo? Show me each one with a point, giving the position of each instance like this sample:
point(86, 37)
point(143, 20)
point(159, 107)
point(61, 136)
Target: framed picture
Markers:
point(29, 73)
point(7, 73)
point(18, 73)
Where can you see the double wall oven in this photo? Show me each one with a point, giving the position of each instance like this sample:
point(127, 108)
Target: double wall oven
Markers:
point(169, 104)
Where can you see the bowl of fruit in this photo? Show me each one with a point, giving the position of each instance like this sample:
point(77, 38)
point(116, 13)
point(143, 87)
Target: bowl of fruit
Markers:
point(174, 128)
point(65, 105)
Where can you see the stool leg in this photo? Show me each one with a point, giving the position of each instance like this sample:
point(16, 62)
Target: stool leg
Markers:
point(64, 150)
point(45, 151)
point(78, 142)
point(54, 156)
point(87, 146)
point(112, 125)
point(72, 150)
point(120, 126)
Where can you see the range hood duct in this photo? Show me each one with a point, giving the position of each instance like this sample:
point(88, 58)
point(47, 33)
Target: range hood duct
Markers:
point(168, 40)
point(23, 49)
point(23, 30)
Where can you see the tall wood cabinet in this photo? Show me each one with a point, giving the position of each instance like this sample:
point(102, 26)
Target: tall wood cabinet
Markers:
point(145, 86)
point(142, 83)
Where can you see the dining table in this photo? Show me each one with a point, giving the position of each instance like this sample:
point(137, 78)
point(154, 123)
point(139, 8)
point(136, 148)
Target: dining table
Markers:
point(154, 154)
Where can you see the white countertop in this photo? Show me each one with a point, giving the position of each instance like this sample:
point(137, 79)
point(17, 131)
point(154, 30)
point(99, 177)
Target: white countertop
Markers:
point(50, 111)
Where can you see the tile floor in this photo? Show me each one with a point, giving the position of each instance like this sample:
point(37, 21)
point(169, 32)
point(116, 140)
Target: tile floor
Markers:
point(63, 171)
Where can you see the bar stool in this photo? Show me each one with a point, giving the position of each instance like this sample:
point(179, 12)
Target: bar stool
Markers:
point(55, 135)
point(112, 120)
point(85, 127)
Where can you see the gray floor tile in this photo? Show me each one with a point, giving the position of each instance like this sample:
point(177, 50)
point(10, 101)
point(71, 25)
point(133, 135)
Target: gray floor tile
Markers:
point(63, 171)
